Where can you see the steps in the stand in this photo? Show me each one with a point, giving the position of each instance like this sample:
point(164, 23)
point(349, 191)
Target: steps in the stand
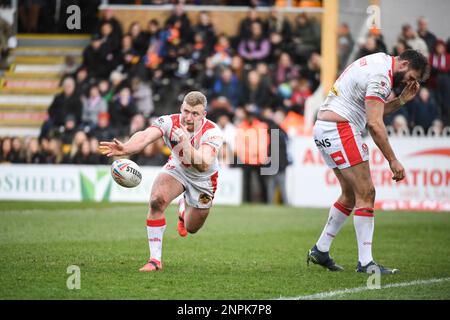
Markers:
point(47, 51)
point(45, 40)
point(43, 60)
point(35, 68)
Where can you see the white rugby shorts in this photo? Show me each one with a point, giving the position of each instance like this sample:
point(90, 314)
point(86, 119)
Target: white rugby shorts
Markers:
point(340, 144)
point(198, 193)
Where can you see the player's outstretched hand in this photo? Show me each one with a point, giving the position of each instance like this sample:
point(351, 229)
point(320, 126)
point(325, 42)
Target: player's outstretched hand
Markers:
point(410, 91)
point(110, 149)
point(397, 170)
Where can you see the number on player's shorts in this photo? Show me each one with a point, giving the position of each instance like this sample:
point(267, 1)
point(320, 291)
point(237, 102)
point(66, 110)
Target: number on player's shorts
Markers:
point(338, 158)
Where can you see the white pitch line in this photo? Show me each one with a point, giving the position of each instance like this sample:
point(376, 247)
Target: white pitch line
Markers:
point(330, 294)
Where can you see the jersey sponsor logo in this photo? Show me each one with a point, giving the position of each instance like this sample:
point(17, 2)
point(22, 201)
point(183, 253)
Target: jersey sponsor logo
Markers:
point(159, 121)
point(338, 158)
point(365, 148)
point(334, 90)
point(204, 198)
point(169, 167)
point(324, 143)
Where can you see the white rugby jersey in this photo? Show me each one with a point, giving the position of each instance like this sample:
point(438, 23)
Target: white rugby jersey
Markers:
point(369, 77)
point(208, 133)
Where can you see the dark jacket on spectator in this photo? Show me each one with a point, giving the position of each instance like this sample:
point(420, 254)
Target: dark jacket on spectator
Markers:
point(121, 114)
point(423, 113)
point(63, 106)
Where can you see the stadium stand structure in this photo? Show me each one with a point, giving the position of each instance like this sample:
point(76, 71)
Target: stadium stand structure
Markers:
point(28, 86)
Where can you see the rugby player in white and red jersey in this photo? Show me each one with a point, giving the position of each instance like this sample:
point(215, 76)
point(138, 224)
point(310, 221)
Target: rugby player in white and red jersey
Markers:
point(358, 98)
point(192, 169)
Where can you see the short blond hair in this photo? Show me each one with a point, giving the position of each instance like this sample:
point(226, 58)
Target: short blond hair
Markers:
point(194, 98)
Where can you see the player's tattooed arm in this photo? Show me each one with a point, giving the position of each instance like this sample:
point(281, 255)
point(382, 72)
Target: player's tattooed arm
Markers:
point(137, 143)
point(408, 93)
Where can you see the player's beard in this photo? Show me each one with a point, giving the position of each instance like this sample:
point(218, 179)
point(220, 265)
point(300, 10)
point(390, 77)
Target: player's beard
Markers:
point(398, 80)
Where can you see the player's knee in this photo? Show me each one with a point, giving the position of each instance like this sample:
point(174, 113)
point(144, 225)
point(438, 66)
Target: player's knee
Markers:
point(157, 204)
point(369, 194)
point(348, 198)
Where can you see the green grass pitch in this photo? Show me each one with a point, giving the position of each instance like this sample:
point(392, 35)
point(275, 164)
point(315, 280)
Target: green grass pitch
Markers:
point(247, 252)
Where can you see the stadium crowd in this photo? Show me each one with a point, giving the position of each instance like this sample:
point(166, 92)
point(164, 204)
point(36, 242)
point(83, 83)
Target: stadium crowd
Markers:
point(257, 79)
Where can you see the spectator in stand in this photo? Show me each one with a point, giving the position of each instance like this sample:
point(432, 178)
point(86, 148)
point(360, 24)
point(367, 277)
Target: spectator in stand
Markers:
point(151, 155)
point(277, 47)
point(82, 82)
point(33, 153)
point(117, 83)
point(95, 155)
point(301, 91)
point(179, 15)
point(55, 154)
point(256, 48)
point(122, 109)
point(104, 132)
point(84, 155)
point(285, 70)
point(278, 161)
point(93, 105)
point(5, 153)
point(278, 23)
point(440, 78)
point(245, 27)
point(139, 38)
point(153, 32)
point(95, 59)
point(200, 52)
point(306, 37)
point(142, 96)
point(110, 43)
point(423, 110)
point(65, 103)
point(255, 94)
point(369, 47)
point(312, 71)
point(44, 144)
point(252, 143)
point(107, 16)
point(400, 47)
point(345, 43)
point(400, 125)
point(237, 66)
point(222, 52)
point(223, 120)
point(128, 56)
point(137, 123)
point(206, 29)
point(436, 128)
point(105, 90)
point(73, 146)
point(17, 151)
point(265, 73)
point(227, 85)
point(413, 40)
point(425, 34)
point(67, 132)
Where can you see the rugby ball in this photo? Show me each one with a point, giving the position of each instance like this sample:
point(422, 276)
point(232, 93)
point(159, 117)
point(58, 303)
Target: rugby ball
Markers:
point(126, 173)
